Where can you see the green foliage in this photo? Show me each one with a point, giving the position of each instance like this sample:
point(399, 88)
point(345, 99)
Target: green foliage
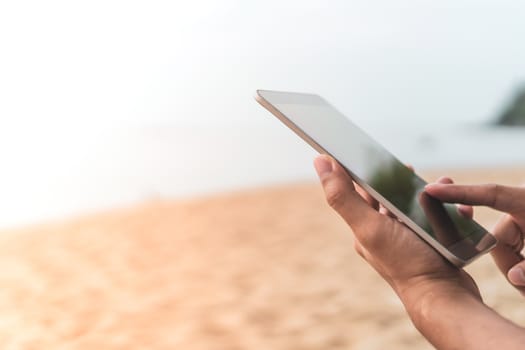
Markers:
point(395, 183)
point(515, 114)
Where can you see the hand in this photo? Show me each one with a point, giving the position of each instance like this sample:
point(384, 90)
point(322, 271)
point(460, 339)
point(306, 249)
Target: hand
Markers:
point(405, 261)
point(509, 230)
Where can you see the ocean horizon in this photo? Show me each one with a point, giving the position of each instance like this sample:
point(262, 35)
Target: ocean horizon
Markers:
point(91, 169)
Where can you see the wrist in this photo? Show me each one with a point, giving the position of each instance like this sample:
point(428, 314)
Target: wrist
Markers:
point(424, 296)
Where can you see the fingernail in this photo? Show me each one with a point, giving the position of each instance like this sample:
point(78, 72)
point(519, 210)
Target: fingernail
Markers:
point(517, 276)
point(323, 166)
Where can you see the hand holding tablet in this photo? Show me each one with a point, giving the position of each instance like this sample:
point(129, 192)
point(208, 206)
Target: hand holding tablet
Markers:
point(460, 240)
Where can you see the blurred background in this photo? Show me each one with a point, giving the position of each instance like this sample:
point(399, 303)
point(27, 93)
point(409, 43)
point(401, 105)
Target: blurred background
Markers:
point(107, 104)
point(110, 102)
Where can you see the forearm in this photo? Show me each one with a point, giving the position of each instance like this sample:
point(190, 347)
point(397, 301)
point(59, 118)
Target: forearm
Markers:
point(453, 318)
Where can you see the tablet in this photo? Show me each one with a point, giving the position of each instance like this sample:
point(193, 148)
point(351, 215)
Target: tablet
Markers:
point(460, 240)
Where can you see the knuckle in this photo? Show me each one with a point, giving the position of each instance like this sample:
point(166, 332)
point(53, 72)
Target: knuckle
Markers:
point(517, 243)
point(335, 196)
point(326, 180)
point(495, 190)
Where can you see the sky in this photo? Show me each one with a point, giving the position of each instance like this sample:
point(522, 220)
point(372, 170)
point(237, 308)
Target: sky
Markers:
point(104, 103)
point(155, 62)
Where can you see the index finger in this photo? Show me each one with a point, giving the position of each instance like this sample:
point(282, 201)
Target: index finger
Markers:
point(504, 198)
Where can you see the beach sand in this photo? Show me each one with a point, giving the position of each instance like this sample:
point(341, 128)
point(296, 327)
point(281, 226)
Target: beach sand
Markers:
point(270, 268)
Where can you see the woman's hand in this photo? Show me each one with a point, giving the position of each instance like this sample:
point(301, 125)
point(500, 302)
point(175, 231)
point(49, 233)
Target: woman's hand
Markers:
point(442, 300)
point(407, 263)
point(509, 230)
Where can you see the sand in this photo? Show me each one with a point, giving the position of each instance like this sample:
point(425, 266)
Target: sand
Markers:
point(270, 268)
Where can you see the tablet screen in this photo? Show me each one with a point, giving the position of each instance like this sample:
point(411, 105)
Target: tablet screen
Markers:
point(370, 163)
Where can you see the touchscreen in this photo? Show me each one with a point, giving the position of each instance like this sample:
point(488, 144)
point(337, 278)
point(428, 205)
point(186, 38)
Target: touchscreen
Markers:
point(376, 166)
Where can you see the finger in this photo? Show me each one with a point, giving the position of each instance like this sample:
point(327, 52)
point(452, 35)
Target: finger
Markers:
point(507, 253)
point(367, 197)
point(386, 212)
point(516, 276)
point(341, 194)
point(444, 228)
point(445, 180)
point(499, 197)
point(464, 210)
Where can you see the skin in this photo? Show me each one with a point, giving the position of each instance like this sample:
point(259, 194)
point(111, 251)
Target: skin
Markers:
point(509, 230)
point(443, 301)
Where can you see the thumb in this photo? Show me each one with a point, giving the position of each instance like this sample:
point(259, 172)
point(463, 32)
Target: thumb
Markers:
point(340, 192)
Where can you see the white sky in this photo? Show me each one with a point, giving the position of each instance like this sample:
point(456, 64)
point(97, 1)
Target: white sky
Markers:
point(148, 62)
point(83, 85)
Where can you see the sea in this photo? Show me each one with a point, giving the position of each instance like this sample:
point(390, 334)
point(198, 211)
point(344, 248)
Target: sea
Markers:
point(68, 171)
